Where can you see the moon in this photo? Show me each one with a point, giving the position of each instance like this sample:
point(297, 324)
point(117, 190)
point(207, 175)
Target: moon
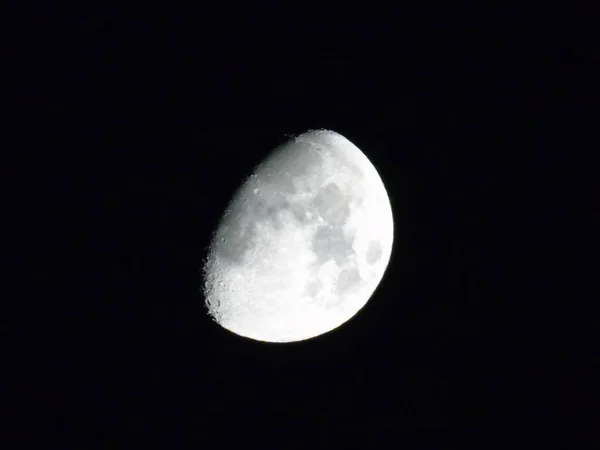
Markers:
point(303, 243)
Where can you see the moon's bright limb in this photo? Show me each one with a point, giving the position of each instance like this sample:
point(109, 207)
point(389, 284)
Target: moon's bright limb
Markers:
point(303, 244)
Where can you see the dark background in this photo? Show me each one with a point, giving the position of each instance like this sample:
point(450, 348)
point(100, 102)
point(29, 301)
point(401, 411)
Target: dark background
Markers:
point(140, 124)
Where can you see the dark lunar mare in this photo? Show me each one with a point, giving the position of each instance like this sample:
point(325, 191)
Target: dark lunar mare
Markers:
point(347, 280)
point(330, 243)
point(333, 205)
point(238, 238)
point(374, 252)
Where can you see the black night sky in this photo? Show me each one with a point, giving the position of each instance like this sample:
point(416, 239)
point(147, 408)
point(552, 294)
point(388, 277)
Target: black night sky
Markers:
point(147, 120)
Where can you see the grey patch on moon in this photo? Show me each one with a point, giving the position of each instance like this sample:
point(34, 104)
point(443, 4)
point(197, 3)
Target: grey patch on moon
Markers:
point(281, 181)
point(307, 161)
point(268, 208)
point(301, 214)
point(332, 205)
point(347, 280)
point(274, 212)
point(273, 217)
point(330, 243)
point(238, 238)
point(313, 288)
point(374, 252)
point(285, 184)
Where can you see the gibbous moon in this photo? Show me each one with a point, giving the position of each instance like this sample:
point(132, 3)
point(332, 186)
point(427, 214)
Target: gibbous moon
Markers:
point(303, 243)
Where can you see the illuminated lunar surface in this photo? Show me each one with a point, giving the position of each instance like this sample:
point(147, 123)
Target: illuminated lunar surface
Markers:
point(303, 243)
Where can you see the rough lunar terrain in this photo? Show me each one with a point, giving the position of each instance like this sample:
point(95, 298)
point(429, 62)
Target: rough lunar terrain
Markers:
point(303, 244)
